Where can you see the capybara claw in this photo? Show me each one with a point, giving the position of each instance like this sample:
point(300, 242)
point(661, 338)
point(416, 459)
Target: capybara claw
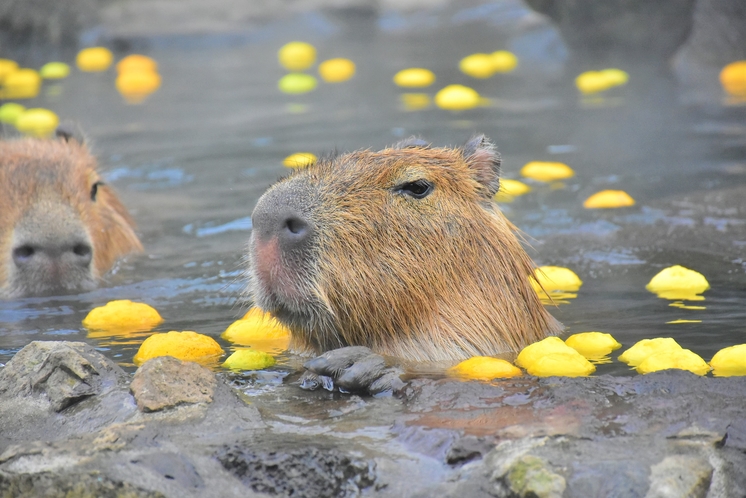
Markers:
point(353, 369)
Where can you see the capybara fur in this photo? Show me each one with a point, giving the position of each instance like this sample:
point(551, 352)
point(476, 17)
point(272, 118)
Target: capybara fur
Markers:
point(61, 227)
point(401, 250)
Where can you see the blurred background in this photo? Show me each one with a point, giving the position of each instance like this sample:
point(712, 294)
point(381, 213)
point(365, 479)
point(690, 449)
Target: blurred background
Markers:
point(628, 95)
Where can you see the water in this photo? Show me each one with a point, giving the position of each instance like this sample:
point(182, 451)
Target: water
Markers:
point(192, 160)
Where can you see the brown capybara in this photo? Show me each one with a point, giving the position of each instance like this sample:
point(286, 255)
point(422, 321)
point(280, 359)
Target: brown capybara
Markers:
point(61, 227)
point(401, 250)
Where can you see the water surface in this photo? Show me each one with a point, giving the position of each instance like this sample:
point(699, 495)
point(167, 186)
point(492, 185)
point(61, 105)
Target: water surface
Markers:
point(191, 161)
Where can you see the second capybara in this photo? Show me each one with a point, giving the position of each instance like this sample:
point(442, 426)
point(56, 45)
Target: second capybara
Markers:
point(61, 226)
point(401, 250)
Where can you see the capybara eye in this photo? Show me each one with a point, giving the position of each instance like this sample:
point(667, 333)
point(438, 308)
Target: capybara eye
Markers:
point(419, 189)
point(94, 190)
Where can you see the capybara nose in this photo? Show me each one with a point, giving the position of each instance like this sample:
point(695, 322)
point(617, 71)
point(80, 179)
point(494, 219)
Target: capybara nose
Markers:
point(34, 254)
point(284, 214)
point(291, 228)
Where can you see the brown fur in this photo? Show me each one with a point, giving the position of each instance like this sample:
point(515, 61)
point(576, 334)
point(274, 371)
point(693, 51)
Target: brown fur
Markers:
point(439, 278)
point(53, 179)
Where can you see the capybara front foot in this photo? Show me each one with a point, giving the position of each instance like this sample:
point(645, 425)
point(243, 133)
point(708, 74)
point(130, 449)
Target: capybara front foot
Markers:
point(352, 369)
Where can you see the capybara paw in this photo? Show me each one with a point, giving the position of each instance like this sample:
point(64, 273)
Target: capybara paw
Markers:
point(352, 369)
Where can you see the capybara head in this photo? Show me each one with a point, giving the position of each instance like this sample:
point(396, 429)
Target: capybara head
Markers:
point(61, 226)
point(401, 250)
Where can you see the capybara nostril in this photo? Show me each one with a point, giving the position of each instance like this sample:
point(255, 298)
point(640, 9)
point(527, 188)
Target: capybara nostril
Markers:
point(297, 227)
point(83, 253)
point(23, 254)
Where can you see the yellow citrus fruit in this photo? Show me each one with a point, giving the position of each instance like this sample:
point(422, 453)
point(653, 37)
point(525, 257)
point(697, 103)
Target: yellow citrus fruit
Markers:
point(21, 84)
point(9, 112)
point(609, 199)
point(484, 368)
point(299, 160)
point(593, 344)
point(546, 171)
point(297, 56)
point(477, 66)
point(457, 98)
point(336, 70)
point(297, 83)
point(185, 346)
point(615, 77)
point(561, 364)
point(259, 330)
point(531, 353)
point(504, 61)
point(122, 314)
point(415, 77)
point(733, 78)
point(54, 71)
point(556, 278)
point(598, 81)
point(729, 362)
point(644, 348)
point(681, 359)
point(7, 66)
point(37, 122)
point(510, 189)
point(248, 359)
point(137, 63)
point(94, 59)
point(677, 283)
point(135, 86)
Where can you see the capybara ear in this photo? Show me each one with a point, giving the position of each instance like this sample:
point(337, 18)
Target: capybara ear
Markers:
point(482, 157)
point(68, 131)
point(412, 142)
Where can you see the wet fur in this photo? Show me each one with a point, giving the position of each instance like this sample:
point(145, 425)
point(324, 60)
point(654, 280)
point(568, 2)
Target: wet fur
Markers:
point(440, 278)
point(56, 174)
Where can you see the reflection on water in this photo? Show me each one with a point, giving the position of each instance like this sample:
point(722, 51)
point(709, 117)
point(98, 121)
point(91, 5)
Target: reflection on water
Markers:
point(194, 157)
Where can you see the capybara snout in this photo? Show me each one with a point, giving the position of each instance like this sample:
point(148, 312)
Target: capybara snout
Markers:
point(61, 227)
point(400, 250)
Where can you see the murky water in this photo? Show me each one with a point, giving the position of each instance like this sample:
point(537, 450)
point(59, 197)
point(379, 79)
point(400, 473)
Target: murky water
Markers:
point(192, 160)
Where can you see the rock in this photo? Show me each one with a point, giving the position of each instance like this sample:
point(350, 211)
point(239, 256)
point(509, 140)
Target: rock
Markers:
point(680, 476)
point(299, 470)
point(51, 485)
point(166, 382)
point(468, 448)
point(63, 373)
point(631, 29)
point(531, 477)
point(735, 435)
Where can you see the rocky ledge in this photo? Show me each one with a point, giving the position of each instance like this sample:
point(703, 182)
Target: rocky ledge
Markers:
point(72, 423)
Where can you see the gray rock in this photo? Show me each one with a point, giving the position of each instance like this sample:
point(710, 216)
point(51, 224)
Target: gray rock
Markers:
point(531, 477)
point(63, 373)
point(680, 476)
point(51, 485)
point(298, 468)
point(166, 382)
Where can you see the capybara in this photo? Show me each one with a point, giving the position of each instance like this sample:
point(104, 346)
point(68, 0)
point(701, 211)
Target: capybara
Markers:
point(61, 226)
point(401, 250)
